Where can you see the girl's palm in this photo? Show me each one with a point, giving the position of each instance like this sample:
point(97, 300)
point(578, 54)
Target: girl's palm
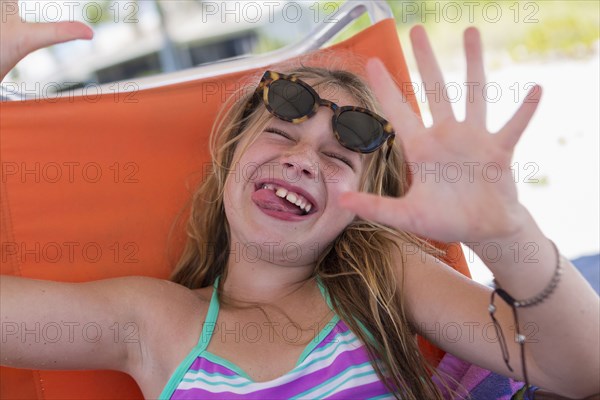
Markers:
point(462, 187)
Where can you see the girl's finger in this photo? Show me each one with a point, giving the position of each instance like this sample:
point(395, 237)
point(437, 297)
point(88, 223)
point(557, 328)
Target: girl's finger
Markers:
point(510, 133)
point(388, 211)
point(9, 10)
point(476, 104)
point(395, 107)
point(46, 34)
point(431, 75)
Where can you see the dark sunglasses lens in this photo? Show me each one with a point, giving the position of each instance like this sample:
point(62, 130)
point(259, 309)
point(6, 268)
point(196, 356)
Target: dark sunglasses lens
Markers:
point(359, 131)
point(289, 99)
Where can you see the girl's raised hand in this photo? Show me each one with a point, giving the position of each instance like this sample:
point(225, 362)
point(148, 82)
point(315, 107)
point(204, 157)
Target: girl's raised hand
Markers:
point(18, 38)
point(462, 186)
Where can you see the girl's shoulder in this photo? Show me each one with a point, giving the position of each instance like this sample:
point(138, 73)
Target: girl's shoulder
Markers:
point(158, 297)
point(166, 307)
point(169, 319)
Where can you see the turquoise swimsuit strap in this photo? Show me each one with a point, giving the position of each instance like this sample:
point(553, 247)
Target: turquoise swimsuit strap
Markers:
point(325, 294)
point(207, 331)
point(210, 322)
point(211, 318)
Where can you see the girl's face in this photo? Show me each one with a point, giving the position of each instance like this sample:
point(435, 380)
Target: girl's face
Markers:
point(281, 198)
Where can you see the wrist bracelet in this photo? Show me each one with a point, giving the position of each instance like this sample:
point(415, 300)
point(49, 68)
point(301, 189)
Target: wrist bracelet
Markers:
point(514, 304)
point(543, 295)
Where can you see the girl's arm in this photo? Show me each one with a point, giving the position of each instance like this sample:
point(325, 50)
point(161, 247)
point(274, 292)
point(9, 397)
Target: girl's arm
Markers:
point(124, 324)
point(481, 209)
point(55, 325)
point(118, 324)
point(561, 350)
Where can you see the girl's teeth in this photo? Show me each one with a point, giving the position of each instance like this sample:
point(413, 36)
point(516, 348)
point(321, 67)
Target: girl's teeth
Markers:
point(291, 197)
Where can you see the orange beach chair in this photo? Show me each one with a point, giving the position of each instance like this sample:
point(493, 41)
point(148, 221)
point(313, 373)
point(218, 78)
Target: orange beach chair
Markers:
point(90, 186)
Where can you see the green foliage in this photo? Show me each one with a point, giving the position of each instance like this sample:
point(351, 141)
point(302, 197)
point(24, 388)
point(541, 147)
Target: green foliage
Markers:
point(565, 30)
point(526, 29)
point(266, 44)
point(100, 13)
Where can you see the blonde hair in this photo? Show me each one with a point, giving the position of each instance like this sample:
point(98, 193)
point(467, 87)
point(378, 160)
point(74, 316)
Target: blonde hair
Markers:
point(357, 269)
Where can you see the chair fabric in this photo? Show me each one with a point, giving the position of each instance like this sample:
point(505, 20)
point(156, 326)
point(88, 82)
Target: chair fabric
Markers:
point(91, 186)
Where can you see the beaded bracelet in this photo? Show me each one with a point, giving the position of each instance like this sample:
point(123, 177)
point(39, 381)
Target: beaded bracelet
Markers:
point(514, 304)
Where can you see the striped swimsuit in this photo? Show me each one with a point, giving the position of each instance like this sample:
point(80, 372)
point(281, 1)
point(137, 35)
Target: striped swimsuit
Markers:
point(334, 365)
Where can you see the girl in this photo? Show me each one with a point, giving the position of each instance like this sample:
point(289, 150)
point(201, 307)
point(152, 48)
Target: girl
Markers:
point(336, 319)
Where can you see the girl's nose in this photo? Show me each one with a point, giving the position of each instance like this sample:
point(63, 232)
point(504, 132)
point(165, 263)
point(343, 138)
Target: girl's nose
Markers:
point(300, 161)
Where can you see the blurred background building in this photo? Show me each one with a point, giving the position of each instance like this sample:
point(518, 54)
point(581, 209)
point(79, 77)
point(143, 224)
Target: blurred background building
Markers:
point(136, 38)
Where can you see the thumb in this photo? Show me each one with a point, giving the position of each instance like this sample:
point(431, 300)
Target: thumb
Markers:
point(389, 211)
point(46, 34)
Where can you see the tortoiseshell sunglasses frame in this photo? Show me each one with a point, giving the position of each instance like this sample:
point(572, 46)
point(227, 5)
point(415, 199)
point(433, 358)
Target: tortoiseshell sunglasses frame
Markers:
point(262, 92)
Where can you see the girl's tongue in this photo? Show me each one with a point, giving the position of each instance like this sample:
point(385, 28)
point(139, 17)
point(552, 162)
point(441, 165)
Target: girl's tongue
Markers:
point(266, 198)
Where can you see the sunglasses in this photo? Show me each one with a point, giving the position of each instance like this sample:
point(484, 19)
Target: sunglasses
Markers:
point(292, 100)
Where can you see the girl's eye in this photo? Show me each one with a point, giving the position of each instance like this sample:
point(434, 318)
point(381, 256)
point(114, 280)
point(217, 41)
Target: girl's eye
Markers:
point(278, 132)
point(341, 158)
point(332, 155)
